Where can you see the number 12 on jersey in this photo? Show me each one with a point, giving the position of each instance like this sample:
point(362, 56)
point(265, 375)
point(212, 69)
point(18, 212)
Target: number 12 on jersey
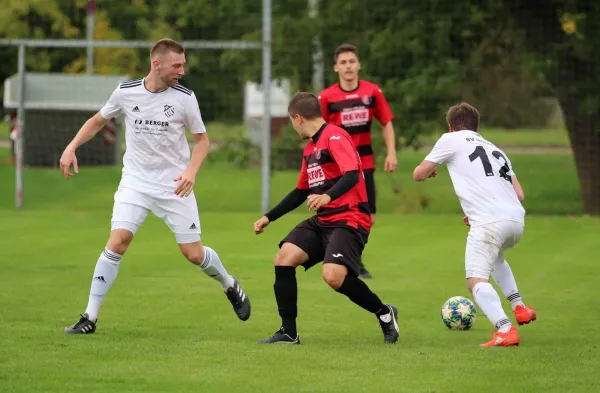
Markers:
point(487, 167)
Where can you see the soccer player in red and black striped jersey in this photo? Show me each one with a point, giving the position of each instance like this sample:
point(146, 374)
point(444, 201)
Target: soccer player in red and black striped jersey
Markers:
point(332, 181)
point(352, 104)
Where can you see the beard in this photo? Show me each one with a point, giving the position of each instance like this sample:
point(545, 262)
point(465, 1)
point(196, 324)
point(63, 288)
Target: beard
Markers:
point(169, 81)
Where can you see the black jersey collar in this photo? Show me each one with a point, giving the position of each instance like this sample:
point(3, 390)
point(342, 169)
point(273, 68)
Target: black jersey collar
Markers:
point(315, 137)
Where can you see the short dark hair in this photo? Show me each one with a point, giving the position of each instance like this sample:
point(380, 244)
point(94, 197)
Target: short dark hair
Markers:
point(306, 105)
point(463, 117)
point(343, 49)
point(166, 45)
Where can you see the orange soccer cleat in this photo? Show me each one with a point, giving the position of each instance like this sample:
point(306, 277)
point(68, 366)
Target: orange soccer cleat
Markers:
point(524, 315)
point(503, 339)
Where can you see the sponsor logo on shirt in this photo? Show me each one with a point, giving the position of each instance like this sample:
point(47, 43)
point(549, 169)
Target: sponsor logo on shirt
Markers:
point(316, 176)
point(152, 127)
point(355, 116)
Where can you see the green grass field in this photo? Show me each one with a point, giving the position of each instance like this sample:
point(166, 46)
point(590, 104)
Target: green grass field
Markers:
point(167, 327)
point(550, 137)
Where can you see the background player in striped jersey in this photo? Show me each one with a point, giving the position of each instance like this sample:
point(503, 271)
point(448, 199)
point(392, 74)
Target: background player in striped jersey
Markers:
point(352, 104)
point(331, 177)
point(158, 174)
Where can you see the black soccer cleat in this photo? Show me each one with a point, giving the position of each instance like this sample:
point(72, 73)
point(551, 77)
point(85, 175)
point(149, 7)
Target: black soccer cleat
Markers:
point(389, 325)
point(83, 326)
point(364, 273)
point(281, 337)
point(239, 300)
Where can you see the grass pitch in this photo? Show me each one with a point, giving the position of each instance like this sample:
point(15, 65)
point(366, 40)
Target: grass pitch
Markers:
point(165, 326)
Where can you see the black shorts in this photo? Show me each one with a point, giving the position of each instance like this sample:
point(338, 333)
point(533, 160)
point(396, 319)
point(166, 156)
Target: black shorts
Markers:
point(370, 184)
point(337, 244)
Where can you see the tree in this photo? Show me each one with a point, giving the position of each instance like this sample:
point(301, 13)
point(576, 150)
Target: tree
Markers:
point(31, 19)
point(566, 34)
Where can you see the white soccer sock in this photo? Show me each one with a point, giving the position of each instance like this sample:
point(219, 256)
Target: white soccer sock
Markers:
point(488, 300)
point(213, 267)
point(506, 281)
point(105, 274)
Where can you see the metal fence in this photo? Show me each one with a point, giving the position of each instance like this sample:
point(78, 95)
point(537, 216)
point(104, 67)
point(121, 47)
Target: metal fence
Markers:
point(194, 45)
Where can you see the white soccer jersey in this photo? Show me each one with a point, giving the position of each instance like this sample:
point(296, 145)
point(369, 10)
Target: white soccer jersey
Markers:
point(481, 175)
point(157, 150)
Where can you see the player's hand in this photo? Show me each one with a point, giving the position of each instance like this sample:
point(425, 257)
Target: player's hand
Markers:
point(315, 201)
point(433, 174)
point(67, 159)
point(466, 221)
point(186, 183)
point(260, 225)
point(391, 163)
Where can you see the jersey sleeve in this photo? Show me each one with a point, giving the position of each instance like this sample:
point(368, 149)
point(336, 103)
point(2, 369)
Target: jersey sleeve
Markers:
point(114, 105)
point(511, 172)
point(382, 112)
point(343, 152)
point(443, 151)
point(323, 103)
point(303, 177)
point(193, 117)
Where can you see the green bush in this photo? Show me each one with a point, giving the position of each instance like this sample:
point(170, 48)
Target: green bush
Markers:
point(237, 152)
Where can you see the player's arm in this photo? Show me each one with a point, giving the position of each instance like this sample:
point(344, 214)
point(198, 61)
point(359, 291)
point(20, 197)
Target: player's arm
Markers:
point(383, 113)
point(518, 189)
point(425, 170)
point(324, 109)
point(294, 199)
point(515, 182)
point(90, 128)
point(290, 202)
point(193, 121)
point(199, 153)
point(442, 152)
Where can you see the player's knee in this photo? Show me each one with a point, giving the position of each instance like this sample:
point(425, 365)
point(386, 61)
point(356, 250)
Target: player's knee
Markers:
point(194, 254)
point(289, 255)
point(333, 276)
point(119, 241)
point(472, 281)
point(284, 259)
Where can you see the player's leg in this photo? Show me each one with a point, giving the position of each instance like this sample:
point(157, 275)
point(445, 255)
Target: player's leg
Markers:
point(129, 212)
point(302, 246)
point(503, 276)
point(181, 215)
point(483, 247)
point(372, 198)
point(340, 271)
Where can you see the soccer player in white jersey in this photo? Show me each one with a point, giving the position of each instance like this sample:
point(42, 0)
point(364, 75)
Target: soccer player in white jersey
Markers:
point(158, 174)
point(490, 196)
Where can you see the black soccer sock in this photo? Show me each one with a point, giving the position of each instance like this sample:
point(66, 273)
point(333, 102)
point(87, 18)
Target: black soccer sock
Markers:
point(359, 293)
point(286, 294)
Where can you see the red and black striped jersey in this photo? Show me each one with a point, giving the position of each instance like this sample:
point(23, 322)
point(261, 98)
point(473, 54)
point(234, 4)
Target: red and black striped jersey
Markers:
point(354, 112)
point(329, 154)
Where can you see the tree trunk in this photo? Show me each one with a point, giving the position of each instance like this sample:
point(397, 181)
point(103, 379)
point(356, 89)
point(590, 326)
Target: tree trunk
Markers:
point(584, 133)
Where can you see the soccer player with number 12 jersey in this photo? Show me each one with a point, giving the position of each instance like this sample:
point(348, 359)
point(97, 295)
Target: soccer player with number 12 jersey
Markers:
point(490, 196)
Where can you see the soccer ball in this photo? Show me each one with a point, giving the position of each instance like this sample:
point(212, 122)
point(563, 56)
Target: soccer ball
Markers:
point(458, 313)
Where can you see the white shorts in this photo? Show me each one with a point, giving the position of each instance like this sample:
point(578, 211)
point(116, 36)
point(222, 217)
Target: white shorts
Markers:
point(180, 214)
point(486, 245)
